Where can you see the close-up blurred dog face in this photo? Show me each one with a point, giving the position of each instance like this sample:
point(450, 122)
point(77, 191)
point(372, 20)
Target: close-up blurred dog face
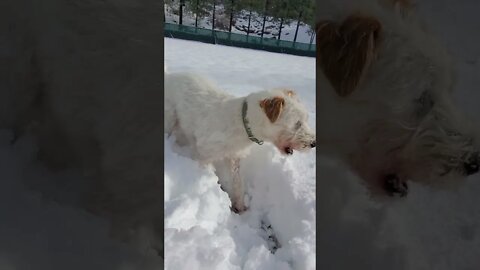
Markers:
point(400, 80)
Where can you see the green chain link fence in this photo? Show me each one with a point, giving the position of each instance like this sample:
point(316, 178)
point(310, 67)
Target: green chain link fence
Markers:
point(238, 40)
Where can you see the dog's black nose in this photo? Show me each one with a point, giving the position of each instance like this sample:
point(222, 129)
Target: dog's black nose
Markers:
point(395, 186)
point(472, 165)
point(313, 144)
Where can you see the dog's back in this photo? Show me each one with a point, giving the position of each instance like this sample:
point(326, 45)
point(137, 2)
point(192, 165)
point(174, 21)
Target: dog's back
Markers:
point(187, 91)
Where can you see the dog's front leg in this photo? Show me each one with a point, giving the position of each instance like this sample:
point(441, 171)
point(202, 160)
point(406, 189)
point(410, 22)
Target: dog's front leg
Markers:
point(230, 180)
point(238, 202)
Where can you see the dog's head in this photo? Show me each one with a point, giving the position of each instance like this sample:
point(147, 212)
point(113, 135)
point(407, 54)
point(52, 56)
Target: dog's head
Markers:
point(280, 118)
point(394, 82)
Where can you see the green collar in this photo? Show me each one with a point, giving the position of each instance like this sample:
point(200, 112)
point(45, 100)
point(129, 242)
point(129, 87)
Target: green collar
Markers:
point(245, 124)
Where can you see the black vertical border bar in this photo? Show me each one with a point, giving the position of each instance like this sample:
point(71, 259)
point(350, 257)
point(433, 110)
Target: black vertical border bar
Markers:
point(162, 139)
point(317, 131)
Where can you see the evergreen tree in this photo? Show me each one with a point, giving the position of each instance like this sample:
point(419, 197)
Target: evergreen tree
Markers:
point(281, 10)
point(200, 8)
point(251, 6)
point(305, 12)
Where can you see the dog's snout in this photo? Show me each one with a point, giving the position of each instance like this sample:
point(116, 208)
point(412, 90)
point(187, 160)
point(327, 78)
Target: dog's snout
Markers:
point(313, 144)
point(472, 164)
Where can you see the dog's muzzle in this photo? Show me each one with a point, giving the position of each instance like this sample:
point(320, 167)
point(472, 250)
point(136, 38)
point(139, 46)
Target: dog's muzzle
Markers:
point(395, 186)
point(289, 150)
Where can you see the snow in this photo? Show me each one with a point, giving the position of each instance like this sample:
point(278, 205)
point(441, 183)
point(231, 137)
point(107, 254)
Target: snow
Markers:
point(39, 233)
point(200, 230)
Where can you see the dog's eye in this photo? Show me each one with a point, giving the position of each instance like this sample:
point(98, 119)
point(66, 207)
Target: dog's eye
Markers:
point(424, 103)
point(298, 125)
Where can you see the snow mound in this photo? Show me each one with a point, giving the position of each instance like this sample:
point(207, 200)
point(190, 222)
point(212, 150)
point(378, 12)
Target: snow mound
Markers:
point(202, 233)
point(37, 232)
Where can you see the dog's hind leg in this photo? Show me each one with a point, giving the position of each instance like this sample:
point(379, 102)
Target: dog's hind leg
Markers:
point(172, 125)
point(222, 170)
point(170, 118)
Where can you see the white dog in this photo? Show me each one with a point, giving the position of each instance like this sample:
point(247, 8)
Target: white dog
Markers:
point(219, 128)
point(385, 103)
point(82, 77)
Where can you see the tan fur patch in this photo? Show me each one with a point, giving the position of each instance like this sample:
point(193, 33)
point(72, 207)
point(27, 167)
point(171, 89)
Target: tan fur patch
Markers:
point(344, 52)
point(272, 107)
point(290, 93)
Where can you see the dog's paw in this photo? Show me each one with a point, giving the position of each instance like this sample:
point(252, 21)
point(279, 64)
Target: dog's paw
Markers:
point(268, 234)
point(238, 209)
point(395, 186)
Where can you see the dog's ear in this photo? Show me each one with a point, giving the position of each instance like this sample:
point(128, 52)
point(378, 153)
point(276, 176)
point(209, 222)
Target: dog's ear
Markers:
point(272, 107)
point(344, 52)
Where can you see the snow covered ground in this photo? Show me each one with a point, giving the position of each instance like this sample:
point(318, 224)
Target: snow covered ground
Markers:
point(241, 24)
point(37, 232)
point(200, 230)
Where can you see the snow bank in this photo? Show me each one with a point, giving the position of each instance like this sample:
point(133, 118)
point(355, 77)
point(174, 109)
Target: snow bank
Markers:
point(202, 233)
point(39, 233)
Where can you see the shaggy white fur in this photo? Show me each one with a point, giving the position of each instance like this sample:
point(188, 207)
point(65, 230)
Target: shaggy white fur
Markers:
point(385, 105)
point(82, 77)
point(209, 121)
